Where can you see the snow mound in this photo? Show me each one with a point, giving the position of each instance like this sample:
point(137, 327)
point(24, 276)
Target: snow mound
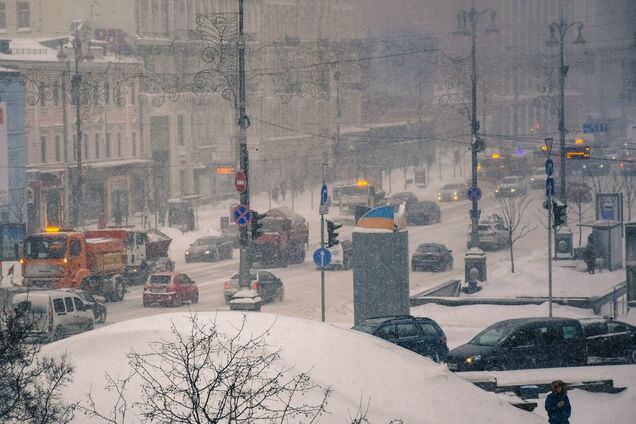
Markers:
point(361, 369)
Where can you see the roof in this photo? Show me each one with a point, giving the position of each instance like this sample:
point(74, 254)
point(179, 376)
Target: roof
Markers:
point(532, 320)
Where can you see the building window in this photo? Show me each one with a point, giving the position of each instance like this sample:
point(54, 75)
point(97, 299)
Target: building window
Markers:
point(118, 144)
point(3, 16)
point(56, 94)
point(133, 93)
point(24, 14)
point(96, 145)
point(107, 145)
point(74, 155)
point(107, 93)
point(42, 94)
point(134, 144)
point(180, 129)
point(43, 149)
point(58, 149)
point(85, 146)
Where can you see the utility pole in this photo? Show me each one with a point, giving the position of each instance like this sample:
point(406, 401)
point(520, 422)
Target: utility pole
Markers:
point(561, 29)
point(336, 77)
point(549, 255)
point(322, 246)
point(243, 125)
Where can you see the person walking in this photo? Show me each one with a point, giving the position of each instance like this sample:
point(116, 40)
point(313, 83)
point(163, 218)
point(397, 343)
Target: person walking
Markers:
point(589, 256)
point(557, 404)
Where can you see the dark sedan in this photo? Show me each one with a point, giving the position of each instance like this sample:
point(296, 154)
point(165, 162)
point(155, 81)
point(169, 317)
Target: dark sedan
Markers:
point(432, 256)
point(423, 213)
point(418, 334)
point(209, 249)
point(610, 341)
point(452, 192)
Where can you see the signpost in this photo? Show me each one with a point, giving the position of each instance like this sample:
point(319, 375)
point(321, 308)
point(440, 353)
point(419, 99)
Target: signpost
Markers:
point(322, 258)
point(242, 215)
point(549, 192)
point(474, 194)
point(240, 181)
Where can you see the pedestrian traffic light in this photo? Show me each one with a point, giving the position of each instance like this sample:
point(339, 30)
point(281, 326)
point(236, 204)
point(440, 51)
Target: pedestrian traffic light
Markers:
point(331, 232)
point(256, 227)
point(559, 212)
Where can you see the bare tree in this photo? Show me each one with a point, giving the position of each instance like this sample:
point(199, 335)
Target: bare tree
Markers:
point(627, 180)
point(205, 376)
point(580, 198)
point(512, 210)
point(30, 384)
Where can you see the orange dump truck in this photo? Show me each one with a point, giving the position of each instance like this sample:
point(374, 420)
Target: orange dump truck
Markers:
point(66, 258)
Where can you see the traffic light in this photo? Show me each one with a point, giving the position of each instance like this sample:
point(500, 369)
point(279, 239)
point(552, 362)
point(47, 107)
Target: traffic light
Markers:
point(331, 232)
point(559, 212)
point(256, 227)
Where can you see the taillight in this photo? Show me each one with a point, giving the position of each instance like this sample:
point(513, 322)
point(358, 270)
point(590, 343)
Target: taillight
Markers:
point(442, 340)
point(255, 285)
point(226, 285)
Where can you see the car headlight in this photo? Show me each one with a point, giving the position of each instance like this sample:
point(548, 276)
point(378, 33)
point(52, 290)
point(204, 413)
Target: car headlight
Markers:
point(207, 252)
point(497, 190)
point(512, 190)
point(187, 253)
point(532, 179)
point(473, 359)
point(455, 194)
point(439, 194)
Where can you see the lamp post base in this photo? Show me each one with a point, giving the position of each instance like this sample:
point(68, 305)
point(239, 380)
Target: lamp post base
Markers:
point(475, 269)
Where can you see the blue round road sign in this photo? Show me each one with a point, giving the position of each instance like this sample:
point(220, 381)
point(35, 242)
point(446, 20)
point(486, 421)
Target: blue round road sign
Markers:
point(324, 194)
point(242, 215)
point(474, 194)
point(322, 257)
point(549, 186)
point(549, 167)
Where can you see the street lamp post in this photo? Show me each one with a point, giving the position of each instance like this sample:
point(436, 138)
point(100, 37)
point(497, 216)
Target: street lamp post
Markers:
point(467, 21)
point(558, 32)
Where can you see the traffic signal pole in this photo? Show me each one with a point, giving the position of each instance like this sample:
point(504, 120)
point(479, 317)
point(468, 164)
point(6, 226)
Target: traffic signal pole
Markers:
point(322, 268)
point(550, 206)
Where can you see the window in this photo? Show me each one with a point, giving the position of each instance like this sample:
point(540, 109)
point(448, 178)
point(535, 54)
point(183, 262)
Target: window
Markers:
point(139, 238)
point(521, 338)
point(85, 146)
point(407, 329)
point(118, 144)
point(74, 155)
point(79, 305)
point(58, 149)
point(387, 332)
point(133, 93)
point(571, 332)
point(56, 94)
point(134, 144)
point(428, 329)
point(42, 94)
point(97, 146)
point(107, 145)
point(68, 301)
point(76, 248)
point(617, 327)
point(58, 306)
point(180, 130)
point(106, 93)
point(43, 149)
point(24, 14)
point(3, 16)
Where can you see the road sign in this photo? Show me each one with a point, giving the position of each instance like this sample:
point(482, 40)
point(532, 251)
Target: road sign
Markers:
point(548, 142)
point(324, 194)
point(323, 209)
point(474, 194)
point(242, 215)
point(577, 152)
point(240, 181)
point(549, 186)
point(592, 128)
point(549, 167)
point(322, 257)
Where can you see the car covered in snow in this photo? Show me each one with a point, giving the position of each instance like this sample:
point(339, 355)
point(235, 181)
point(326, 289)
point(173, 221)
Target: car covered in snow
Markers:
point(432, 257)
point(423, 213)
point(341, 255)
point(537, 178)
point(269, 287)
point(511, 186)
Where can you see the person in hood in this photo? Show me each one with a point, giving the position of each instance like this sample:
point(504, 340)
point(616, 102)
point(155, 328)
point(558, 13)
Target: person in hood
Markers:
point(557, 404)
point(589, 256)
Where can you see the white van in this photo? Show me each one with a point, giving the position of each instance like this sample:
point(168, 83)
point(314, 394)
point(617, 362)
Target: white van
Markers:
point(57, 313)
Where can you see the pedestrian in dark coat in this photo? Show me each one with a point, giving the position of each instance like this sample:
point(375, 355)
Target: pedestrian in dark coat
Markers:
point(558, 405)
point(589, 256)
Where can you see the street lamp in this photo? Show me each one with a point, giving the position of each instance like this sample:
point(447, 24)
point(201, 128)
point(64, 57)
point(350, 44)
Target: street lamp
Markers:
point(558, 32)
point(467, 21)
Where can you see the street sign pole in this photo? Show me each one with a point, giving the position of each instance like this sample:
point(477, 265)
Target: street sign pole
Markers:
point(322, 245)
point(549, 169)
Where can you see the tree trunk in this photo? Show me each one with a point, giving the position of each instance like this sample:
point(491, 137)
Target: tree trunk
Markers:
point(512, 256)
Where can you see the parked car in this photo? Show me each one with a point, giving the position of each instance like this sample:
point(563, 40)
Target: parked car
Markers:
point(423, 213)
point(609, 341)
point(95, 303)
point(341, 255)
point(432, 256)
point(56, 314)
point(452, 192)
point(209, 249)
point(405, 197)
point(537, 178)
point(170, 288)
point(511, 186)
point(269, 287)
point(522, 343)
point(492, 234)
point(418, 334)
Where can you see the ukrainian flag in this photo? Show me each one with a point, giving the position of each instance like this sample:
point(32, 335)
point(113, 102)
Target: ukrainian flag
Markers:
point(378, 218)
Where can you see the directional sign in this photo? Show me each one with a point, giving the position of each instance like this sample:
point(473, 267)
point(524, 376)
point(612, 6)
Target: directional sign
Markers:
point(240, 181)
point(474, 194)
point(549, 186)
point(324, 194)
point(549, 167)
point(322, 257)
point(242, 215)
